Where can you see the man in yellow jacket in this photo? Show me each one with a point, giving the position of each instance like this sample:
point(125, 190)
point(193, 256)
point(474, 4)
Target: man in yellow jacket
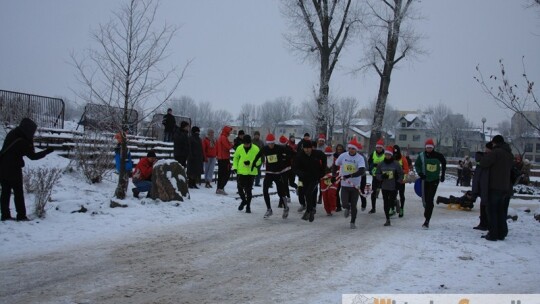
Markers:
point(246, 170)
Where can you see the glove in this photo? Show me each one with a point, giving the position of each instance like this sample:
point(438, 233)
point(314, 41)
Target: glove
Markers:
point(385, 176)
point(333, 179)
point(346, 176)
point(422, 176)
point(49, 150)
point(247, 162)
point(442, 178)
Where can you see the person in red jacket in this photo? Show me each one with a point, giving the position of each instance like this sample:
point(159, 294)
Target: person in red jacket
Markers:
point(223, 155)
point(210, 153)
point(142, 174)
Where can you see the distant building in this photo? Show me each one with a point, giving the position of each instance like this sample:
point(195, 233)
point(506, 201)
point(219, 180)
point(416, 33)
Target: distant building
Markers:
point(525, 138)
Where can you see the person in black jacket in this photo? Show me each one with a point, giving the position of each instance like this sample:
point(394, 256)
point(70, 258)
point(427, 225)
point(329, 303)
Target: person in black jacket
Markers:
point(309, 165)
point(480, 187)
point(169, 122)
point(181, 143)
point(499, 162)
point(19, 142)
point(195, 158)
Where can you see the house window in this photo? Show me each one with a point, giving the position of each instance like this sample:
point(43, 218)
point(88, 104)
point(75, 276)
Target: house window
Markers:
point(537, 147)
point(416, 124)
point(403, 124)
point(402, 137)
point(528, 147)
point(537, 159)
point(416, 138)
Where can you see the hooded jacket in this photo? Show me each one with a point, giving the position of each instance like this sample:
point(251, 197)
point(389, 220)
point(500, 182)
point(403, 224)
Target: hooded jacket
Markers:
point(19, 142)
point(223, 144)
point(499, 161)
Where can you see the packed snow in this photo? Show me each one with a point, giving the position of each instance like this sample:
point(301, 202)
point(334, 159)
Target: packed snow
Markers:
point(204, 250)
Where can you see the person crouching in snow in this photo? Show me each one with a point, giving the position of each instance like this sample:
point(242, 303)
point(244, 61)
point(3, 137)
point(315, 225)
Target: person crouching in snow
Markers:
point(466, 201)
point(389, 173)
point(352, 167)
point(246, 169)
point(142, 174)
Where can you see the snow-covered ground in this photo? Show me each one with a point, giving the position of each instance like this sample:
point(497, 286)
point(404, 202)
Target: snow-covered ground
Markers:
point(206, 251)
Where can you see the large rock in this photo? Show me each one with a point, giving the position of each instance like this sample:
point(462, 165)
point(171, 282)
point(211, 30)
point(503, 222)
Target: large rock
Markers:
point(169, 181)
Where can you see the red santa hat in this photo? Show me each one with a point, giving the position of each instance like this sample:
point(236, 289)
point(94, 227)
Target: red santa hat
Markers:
point(429, 143)
point(389, 150)
point(283, 140)
point(322, 137)
point(328, 150)
point(354, 144)
point(270, 138)
point(380, 143)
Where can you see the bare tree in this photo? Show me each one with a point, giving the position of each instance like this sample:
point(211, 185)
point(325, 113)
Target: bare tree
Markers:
point(390, 116)
point(125, 69)
point(391, 40)
point(507, 95)
point(249, 116)
point(278, 110)
point(436, 121)
point(346, 112)
point(457, 127)
point(220, 119)
point(185, 106)
point(320, 29)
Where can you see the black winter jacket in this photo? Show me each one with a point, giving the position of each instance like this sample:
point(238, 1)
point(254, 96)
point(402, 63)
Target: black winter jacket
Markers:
point(181, 145)
point(196, 157)
point(310, 168)
point(22, 138)
point(499, 162)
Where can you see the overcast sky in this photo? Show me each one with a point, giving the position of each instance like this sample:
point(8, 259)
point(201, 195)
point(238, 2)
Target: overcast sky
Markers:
point(240, 55)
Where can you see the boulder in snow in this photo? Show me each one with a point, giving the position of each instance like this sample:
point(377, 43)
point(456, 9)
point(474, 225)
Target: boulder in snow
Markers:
point(169, 181)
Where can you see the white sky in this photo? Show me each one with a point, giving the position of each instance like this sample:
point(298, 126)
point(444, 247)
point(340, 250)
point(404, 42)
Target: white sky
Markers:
point(240, 56)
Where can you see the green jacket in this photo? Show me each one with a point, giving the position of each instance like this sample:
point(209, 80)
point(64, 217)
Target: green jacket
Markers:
point(431, 165)
point(241, 156)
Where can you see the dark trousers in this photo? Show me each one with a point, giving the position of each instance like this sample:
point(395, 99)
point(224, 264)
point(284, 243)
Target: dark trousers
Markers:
point(223, 172)
point(401, 192)
point(310, 195)
point(484, 222)
point(389, 200)
point(429, 189)
point(284, 181)
point(376, 185)
point(258, 177)
point(168, 136)
point(497, 210)
point(349, 200)
point(244, 185)
point(18, 194)
point(267, 182)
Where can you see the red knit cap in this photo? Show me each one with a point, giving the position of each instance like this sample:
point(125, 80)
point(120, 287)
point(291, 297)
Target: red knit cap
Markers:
point(354, 144)
point(429, 143)
point(322, 137)
point(380, 143)
point(283, 140)
point(328, 150)
point(389, 150)
point(270, 138)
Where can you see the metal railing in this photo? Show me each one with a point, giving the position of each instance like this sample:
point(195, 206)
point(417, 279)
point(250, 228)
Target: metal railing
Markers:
point(47, 112)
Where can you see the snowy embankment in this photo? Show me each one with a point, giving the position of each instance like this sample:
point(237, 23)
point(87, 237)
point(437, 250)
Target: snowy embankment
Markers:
point(205, 251)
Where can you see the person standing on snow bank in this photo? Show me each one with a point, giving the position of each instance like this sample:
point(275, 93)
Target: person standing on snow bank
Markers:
point(431, 167)
point(19, 142)
point(169, 123)
point(142, 174)
point(181, 143)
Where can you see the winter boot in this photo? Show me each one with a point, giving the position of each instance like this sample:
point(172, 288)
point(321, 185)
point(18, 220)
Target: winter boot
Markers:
point(387, 223)
point(135, 192)
point(372, 211)
point(425, 225)
point(353, 226)
point(400, 212)
point(248, 208)
point(268, 213)
point(305, 217)
point(242, 205)
point(312, 216)
point(439, 200)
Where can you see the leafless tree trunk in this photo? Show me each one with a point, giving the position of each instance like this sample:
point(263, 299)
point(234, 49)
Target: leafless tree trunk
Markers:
point(278, 110)
point(346, 111)
point(385, 53)
point(124, 71)
point(320, 30)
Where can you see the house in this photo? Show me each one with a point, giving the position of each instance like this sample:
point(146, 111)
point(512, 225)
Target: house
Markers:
point(412, 131)
point(526, 138)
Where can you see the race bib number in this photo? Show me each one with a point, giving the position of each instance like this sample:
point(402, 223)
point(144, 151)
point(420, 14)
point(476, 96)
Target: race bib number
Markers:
point(349, 168)
point(431, 168)
point(272, 159)
point(390, 174)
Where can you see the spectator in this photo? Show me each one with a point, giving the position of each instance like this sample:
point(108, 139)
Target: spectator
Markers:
point(499, 162)
point(195, 159)
point(480, 187)
point(19, 142)
point(142, 174)
point(181, 143)
point(239, 139)
point(223, 155)
point(210, 153)
point(169, 122)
